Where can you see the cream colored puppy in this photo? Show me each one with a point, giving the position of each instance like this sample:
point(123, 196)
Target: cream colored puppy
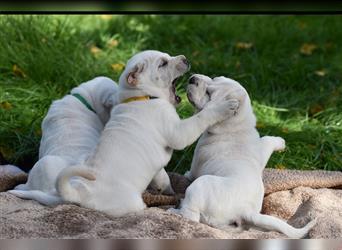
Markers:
point(228, 163)
point(70, 131)
point(138, 140)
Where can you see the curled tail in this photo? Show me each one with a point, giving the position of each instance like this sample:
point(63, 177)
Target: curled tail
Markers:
point(273, 223)
point(65, 189)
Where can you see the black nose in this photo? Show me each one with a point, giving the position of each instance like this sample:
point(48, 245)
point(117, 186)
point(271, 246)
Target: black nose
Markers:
point(185, 61)
point(192, 80)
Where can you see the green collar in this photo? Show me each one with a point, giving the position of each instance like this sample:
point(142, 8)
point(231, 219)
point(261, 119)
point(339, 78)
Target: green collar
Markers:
point(84, 101)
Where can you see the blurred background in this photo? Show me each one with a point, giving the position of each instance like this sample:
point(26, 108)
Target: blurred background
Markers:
point(290, 65)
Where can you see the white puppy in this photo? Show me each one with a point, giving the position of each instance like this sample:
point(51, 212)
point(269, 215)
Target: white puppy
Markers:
point(228, 163)
point(138, 140)
point(70, 131)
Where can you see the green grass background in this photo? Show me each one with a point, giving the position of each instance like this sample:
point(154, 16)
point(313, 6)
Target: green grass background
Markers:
point(290, 98)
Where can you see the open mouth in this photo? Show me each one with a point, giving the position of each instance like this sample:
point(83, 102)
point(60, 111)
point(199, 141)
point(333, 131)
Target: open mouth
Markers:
point(205, 98)
point(208, 94)
point(173, 88)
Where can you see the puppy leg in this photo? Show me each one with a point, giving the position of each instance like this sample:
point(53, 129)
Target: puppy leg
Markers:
point(185, 132)
point(127, 202)
point(186, 213)
point(270, 144)
point(161, 183)
point(44, 173)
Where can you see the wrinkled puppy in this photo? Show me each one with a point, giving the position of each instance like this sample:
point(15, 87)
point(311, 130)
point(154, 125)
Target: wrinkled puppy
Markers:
point(228, 163)
point(139, 138)
point(70, 131)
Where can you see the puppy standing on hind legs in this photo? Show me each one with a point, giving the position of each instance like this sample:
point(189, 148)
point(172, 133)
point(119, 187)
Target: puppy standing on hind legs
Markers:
point(228, 163)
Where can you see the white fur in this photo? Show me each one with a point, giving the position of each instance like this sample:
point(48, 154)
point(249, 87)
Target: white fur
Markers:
point(70, 132)
point(228, 163)
point(138, 140)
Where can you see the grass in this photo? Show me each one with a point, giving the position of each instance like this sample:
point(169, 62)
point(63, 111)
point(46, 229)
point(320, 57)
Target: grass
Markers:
point(296, 88)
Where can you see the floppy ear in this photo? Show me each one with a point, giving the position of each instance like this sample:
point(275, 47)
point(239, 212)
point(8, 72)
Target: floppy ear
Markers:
point(110, 101)
point(239, 94)
point(133, 75)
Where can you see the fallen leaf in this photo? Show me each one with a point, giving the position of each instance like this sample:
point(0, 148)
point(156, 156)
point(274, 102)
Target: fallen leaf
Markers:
point(6, 105)
point(243, 45)
point(195, 53)
point(314, 109)
point(312, 146)
point(237, 64)
point(260, 125)
point(336, 93)
point(18, 71)
point(95, 50)
point(117, 66)
point(106, 17)
point(308, 48)
point(321, 72)
point(216, 44)
point(280, 166)
point(285, 130)
point(6, 152)
point(302, 25)
point(112, 43)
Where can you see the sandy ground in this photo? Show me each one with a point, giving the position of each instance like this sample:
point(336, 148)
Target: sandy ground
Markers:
point(28, 219)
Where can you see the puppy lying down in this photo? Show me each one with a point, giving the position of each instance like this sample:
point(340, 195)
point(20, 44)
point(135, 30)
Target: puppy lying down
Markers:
point(139, 138)
point(228, 163)
point(71, 129)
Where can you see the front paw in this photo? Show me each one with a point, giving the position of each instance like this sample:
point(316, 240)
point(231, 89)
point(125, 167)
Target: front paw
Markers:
point(173, 211)
point(279, 144)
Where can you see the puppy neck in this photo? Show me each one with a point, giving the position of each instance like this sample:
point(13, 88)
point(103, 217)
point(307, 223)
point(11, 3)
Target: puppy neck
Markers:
point(85, 94)
point(124, 95)
point(99, 98)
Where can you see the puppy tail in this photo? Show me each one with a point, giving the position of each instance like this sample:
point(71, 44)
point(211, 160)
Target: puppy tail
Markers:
point(67, 191)
point(37, 195)
point(273, 223)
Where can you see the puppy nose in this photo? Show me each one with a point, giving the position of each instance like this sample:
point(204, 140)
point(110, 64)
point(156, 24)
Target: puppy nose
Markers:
point(192, 80)
point(185, 61)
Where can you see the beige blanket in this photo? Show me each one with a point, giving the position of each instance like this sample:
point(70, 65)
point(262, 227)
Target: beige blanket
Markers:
point(297, 204)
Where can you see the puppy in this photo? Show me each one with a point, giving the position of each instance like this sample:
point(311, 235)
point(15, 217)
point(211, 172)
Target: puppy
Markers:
point(228, 163)
point(138, 140)
point(70, 131)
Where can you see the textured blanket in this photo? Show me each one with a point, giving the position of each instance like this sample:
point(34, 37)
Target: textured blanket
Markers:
point(295, 196)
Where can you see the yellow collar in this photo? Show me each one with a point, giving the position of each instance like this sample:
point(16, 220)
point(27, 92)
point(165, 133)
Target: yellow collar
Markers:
point(138, 98)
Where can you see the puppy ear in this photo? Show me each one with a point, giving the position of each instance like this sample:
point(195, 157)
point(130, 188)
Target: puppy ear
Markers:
point(110, 101)
point(133, 75)
point(239, 94)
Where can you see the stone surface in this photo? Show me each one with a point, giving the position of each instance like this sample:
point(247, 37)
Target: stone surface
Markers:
point(10, 176)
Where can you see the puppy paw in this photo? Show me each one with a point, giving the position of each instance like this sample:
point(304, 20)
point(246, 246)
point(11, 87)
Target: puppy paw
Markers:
point(279, 144)
point(173, 211)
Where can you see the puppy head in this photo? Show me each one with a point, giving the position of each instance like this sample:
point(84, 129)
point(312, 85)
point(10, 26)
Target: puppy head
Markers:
point(154, 73)
point(202, 89)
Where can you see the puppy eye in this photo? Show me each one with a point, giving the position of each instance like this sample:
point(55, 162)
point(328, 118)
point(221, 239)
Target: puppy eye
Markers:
point(163, 63)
